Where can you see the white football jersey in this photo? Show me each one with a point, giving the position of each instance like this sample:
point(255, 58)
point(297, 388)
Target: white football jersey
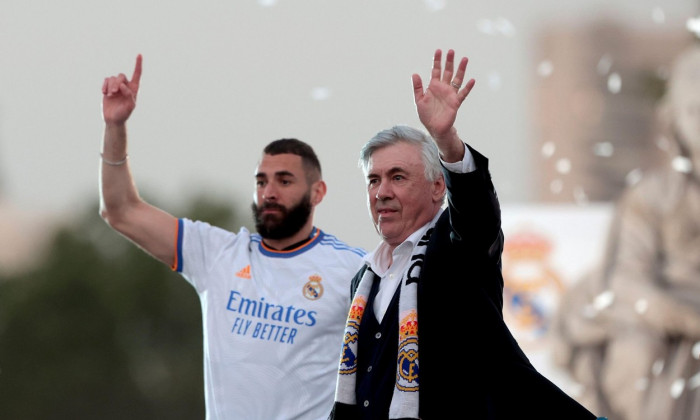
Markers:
point(273, 320)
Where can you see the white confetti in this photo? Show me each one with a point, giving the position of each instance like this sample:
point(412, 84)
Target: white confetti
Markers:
point(563, 166)
point(696, 350)
point(556, 186)
point(634, 176)
point(548, 149)
point(435, 5)
point(604, 149)
point(677, 388)
point(641, 306)
point(320, 93)
point(545, 68)
point(614, 83)
point(604, 300)
point(663, 143)
point(657, 367)
point(604, 64)
point(505, 27)
point(693, 25)
point(694, 381)
point(641, 384)
point(682, 164)
point(658, 15)
point(580, 196)
point(494, 81)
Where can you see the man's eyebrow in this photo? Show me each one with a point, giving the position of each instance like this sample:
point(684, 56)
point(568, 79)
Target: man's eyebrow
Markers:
point(278, 174)
point(392, 171)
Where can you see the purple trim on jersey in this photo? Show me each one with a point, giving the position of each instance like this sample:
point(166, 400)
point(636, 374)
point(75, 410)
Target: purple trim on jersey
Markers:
point(180, 233)
point(316, 236)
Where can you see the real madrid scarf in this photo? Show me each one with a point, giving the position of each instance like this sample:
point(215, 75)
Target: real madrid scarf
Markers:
point(404, 402)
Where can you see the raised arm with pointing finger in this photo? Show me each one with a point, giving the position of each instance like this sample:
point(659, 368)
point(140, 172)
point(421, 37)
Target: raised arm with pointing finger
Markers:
point(120, 205)
point(273, 302)
point(425, 336)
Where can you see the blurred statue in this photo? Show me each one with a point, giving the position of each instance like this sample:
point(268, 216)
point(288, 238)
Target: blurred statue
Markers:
point(629, 333)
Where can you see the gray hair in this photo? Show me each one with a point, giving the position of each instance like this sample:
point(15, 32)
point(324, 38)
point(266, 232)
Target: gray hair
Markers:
point(403, 133)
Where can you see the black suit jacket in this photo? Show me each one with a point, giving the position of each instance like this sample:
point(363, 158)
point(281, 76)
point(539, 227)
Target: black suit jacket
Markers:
point(471, 366)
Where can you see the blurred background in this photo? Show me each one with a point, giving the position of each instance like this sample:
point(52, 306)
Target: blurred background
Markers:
point(90, 326)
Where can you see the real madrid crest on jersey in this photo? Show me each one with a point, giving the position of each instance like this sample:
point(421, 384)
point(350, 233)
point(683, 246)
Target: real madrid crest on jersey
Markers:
point(313, 289)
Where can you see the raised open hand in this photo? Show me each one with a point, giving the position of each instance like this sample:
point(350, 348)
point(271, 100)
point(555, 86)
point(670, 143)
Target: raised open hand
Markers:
point(437, 106)
point(119, 95)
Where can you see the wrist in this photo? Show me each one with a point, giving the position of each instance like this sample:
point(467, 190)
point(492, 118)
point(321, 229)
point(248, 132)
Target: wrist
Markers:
point(114, 144)
point(451, 147)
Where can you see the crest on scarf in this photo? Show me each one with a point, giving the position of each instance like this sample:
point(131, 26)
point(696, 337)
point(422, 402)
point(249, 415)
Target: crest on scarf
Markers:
point(407, 373)
point(404, 400)
point(348, 359)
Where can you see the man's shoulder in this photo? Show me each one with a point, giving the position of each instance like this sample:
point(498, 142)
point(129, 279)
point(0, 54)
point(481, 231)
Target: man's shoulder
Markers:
point(356, 279)
point(330, 240)
point(204, 231)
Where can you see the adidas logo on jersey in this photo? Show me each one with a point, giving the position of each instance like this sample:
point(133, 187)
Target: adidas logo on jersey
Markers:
point(244, 273)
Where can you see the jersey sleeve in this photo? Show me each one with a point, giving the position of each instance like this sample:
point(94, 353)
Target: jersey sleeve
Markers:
point(199, 246)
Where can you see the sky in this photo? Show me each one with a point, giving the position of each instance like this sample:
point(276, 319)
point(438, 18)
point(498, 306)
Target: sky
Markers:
point(223, 78)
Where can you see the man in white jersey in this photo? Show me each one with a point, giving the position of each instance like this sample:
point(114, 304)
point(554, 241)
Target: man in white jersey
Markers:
point(274, 303)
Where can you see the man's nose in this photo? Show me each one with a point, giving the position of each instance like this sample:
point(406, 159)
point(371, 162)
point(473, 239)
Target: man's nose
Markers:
point(383, 191)
point(269, 192)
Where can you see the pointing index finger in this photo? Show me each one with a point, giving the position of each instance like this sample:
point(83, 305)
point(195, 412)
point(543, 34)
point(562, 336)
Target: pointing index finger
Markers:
point(136, 77)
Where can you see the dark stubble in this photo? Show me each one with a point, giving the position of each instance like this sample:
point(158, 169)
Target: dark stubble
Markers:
point(284, 225)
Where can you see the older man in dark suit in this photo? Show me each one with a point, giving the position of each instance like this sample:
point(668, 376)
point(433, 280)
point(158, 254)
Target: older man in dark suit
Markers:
point(425, 336)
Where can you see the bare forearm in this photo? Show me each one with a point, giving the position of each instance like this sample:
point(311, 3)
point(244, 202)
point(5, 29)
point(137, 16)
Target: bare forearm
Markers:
point(114, 144)
point(117, 188)
point(121, 207)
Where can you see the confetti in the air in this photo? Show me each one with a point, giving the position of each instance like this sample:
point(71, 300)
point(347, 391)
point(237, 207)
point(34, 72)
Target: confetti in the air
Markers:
point(498, 26)
point(614, 83)
point(563, 166)
point(634, 176)
point(682, 164)
point(604, 149)
point(641, 306)
point(677, 388)
point(435, 5)
point(658, 15)
point(320, 93)
point(548, 149)
point(604, 64)
point(545, 68)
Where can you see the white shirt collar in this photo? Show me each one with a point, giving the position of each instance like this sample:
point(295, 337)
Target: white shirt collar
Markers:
point(379, 259)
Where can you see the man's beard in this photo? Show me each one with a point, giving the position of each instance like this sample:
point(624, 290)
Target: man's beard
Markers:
point(285, 225)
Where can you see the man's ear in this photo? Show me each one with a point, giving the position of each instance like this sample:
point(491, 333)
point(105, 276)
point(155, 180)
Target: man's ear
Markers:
point(318, 191)
point(439, 189)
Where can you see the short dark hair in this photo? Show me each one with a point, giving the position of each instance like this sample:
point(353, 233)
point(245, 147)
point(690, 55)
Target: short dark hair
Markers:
point(297, 147)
